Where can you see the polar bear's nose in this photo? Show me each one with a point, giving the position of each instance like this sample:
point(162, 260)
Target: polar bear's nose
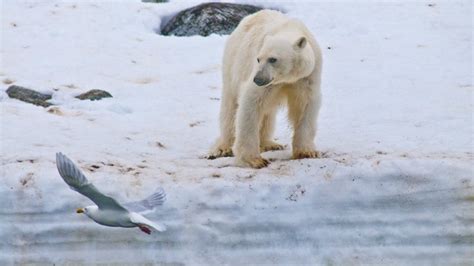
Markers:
point(260, 81)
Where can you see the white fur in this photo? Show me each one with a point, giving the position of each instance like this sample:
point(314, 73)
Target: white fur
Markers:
point(247, 110)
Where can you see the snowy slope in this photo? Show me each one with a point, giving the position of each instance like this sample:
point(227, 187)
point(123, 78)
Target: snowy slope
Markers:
point(395, 186)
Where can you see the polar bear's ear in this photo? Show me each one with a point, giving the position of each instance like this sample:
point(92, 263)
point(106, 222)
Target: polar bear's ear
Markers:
point(300, 43)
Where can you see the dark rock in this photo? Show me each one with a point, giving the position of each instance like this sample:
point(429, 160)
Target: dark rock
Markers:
point(208, 18)
point(94, 95)
point(154, 1)
point(29, 96)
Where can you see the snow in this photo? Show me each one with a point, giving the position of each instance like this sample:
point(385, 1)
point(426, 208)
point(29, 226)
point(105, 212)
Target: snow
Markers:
point(395, 186)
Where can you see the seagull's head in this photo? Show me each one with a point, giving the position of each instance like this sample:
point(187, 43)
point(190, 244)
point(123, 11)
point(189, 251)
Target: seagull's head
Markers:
point(89, 210)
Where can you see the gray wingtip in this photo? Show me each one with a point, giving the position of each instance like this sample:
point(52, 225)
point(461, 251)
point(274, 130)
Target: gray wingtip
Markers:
point(62, 162)
point(160, 190)
point(60, 158)
point(69, 172)
point(158, 197)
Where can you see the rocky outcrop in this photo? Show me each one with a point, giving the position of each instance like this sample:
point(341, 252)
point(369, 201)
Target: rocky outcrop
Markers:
point(29, 95)
point(94, 95)
point(208, 18)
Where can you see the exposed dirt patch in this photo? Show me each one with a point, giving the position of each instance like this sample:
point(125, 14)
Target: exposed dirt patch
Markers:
point(197, 123)
point(55, 111)
point(94, 167)
point(206, 70)
point(26, 160)
point(8, 81)
point(120, 168)
point(126, 170)
point(143, 81)
point(246, 176)
point(70, 86)
point(296, 193)
point(160, 145)
point(27, 181)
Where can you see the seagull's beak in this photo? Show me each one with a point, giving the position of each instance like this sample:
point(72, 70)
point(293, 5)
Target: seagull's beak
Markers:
point(80, 210)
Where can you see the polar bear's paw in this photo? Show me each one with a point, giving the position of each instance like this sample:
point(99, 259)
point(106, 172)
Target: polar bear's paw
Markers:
point(220, 152)
point(258, 162)
point(302, 154)
point(270, 146)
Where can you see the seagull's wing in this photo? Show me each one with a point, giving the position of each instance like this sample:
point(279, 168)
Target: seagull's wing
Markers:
point(148, 204)
point(78, 182)
point(140, 220)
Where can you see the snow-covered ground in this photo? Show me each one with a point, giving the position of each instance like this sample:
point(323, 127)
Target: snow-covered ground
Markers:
point(395, 186)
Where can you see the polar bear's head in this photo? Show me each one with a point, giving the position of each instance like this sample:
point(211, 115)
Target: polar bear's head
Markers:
point(283, 60)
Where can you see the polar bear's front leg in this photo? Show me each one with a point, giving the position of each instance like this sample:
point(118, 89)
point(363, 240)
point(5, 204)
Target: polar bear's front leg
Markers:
point(249, 116)
point(303, 108)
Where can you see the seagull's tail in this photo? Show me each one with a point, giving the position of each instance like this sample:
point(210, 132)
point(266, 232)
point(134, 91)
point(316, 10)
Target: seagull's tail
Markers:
point(157, 226)
point(139, 219)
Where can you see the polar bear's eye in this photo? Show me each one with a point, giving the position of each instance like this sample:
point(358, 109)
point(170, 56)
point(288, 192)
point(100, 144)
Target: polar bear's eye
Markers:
point(272, 60)
point(258, 60)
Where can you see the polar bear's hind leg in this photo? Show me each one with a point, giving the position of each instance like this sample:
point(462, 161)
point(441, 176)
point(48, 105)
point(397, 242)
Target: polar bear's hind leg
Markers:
point(266, 132)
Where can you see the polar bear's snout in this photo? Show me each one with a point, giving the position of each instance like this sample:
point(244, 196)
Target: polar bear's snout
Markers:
point(261, 81)
point(262, 78)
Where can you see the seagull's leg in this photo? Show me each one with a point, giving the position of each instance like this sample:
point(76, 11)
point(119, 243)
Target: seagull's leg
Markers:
point(144, 229)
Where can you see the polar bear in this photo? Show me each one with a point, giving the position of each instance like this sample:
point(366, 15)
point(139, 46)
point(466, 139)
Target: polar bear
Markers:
point(269, 60)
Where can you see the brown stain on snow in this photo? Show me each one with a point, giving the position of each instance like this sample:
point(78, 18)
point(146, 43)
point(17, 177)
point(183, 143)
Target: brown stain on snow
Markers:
point(8, 81)
point(196, 123)
point(28, 180)
point(55, 111)
point(207, 70)
point(144, 81)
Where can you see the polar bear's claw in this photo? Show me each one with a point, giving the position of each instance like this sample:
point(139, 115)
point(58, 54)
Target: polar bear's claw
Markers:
point(258, 163)
point(271, 146)
point(221, 153)
point(306, 154)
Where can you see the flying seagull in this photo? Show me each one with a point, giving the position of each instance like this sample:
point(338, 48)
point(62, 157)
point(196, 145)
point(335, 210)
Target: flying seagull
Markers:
point(107, 210)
